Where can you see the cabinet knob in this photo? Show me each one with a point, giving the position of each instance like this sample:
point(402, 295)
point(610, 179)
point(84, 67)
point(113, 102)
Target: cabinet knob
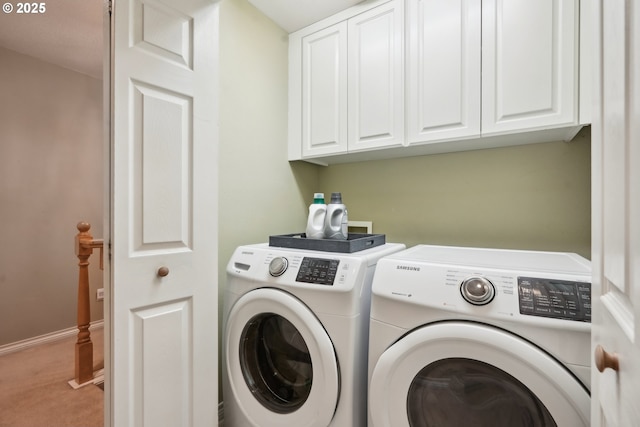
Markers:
point(163, 271)
point(605, 360)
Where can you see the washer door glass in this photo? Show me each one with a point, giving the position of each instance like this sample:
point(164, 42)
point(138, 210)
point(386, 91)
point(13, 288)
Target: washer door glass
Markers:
point(281, 366)
point(461, 373)
point(276, 363)
point(458, 392)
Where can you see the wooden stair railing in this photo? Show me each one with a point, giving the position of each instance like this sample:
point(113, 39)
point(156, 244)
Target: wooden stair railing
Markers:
point(84, 246)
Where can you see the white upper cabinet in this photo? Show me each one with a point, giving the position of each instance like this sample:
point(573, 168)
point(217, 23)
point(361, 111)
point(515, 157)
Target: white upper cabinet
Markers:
point(443, 70)
point(324, 91)
point(529, 64)
point(373, 82)
point(376, 78)
point(346, 83)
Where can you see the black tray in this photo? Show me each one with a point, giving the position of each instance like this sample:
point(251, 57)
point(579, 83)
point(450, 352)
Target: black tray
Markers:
point(354, 243)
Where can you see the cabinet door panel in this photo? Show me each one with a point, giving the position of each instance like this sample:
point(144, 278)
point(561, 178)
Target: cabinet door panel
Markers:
point(443, 76)
point(324, 91)
point(529, 64)
point(376, 110)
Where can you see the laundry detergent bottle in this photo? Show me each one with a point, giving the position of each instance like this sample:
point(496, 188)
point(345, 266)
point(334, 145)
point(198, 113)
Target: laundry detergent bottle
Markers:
point(315, 222)
point(336, 219)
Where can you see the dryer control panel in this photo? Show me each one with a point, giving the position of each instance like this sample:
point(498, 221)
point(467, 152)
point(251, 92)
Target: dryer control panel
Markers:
point(559, 299)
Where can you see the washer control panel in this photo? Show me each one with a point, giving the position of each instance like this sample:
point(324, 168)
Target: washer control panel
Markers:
point(297, 269)
point(321, 271)
point(559, 299)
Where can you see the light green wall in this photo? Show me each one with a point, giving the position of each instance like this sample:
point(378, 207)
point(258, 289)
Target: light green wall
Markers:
point(260, 192)
point(524, 197)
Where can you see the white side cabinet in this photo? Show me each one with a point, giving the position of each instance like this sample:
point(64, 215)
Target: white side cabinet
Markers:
point(346, 91)
point(529, 64)
point(443, 70)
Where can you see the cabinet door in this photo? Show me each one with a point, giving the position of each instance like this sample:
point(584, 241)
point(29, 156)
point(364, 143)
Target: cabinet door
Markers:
point(324, 91)
point(376, 78)
point(529, 64)
point(443, 75)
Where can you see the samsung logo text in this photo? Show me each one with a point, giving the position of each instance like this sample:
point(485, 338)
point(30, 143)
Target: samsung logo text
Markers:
point(407, 268)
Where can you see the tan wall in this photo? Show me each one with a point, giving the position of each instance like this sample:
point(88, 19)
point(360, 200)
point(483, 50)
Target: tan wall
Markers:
point(51, 165)
point(534, 196)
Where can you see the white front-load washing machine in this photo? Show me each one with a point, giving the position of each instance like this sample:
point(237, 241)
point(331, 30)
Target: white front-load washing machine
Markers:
point(480, 337)
point(296, 336)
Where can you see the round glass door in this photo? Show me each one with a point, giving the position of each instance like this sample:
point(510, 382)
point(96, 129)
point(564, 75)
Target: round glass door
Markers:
point(465, 392)
point(276, 363)
point(281, 363)
point(452, 374)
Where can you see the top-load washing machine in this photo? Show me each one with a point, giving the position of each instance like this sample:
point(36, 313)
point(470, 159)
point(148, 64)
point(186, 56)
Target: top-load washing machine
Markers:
point(296, 336)
point(480, 337)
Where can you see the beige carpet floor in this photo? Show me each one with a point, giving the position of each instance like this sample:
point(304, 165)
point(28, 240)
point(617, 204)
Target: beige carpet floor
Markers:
point(34, 388)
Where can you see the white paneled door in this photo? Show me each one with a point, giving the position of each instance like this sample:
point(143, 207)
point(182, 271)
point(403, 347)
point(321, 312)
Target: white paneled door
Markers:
point(163, 362)
point(616, 215)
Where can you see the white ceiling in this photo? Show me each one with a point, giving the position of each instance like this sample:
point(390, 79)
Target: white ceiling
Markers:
point(68, 34)
point(295, 14)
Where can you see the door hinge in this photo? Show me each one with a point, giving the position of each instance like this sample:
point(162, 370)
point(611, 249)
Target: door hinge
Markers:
point(110, 7)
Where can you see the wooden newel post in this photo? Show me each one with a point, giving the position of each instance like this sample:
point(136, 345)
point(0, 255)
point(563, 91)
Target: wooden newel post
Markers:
point(84, 346)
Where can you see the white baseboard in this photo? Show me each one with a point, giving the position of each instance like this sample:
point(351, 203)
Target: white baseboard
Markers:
point(47, 338)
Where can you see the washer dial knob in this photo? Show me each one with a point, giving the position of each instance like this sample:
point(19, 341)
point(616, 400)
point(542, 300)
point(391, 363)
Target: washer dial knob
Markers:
point(278, 266)
point(477, 290)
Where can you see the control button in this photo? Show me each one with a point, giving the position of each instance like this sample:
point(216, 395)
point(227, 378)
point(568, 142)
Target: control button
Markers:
point(542, 310)
point(477, 290)
point(278, 266)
